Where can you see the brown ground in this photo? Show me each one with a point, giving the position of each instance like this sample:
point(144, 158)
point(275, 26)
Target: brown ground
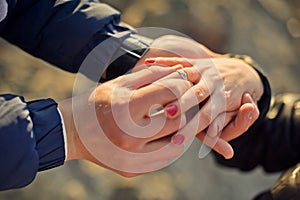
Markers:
point(268, 30)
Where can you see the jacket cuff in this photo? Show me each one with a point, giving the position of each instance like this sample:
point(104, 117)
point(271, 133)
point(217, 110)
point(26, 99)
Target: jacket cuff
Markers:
point(127, 55)
point(48, 132)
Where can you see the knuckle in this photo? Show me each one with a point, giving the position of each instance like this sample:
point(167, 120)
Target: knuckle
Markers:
point(124, 142)
point(200, 92)
point(127, 143)
point(219, 80)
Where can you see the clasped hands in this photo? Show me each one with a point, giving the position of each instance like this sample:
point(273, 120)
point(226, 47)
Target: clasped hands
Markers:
point(139, 122)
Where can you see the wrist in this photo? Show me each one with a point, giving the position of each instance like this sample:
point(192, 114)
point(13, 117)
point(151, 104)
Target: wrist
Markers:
point(72, 140)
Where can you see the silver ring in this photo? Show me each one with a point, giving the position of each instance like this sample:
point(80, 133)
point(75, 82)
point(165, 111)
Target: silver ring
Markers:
point(182, 74)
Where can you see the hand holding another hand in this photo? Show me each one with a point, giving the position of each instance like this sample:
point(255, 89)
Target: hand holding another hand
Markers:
point(113, 125)
point(225, 89)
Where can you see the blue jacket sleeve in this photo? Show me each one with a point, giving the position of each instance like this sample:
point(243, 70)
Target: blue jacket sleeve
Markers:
point(31, 139)
point(61, 32)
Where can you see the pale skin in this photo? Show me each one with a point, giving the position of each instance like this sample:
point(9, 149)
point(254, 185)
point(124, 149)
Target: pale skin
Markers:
point(217, 72)
point(207, 75)
point(235, 79)
point(141, 99)
point(241, 107)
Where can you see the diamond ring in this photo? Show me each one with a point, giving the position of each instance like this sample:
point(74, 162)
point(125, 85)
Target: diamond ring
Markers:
point(183, 74)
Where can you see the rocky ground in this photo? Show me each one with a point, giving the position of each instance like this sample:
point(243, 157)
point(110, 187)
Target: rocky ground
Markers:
point(268, 30)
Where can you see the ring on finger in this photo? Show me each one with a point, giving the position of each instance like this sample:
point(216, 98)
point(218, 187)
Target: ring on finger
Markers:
point(182, 74)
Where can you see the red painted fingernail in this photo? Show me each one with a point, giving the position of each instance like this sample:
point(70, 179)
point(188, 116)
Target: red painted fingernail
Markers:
point(150, 61)
point(178, 139)
point(171, 110)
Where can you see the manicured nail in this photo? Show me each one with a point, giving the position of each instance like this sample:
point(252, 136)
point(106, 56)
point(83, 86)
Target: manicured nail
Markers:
point(171, 110)
point(150, 61)
point(178, 139)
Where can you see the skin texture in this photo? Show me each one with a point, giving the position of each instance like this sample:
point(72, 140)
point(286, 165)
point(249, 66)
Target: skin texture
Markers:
point(230, 81)
point(130, 96)
point(133, 96)
point(216, 80)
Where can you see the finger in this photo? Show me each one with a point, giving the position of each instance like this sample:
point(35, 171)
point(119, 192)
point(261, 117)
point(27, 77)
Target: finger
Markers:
point(170, 127)
point(168, 61)
point(158, 94)
point(218, 144)
point(192, 76)
point(210, 82)
point(144, 77)
point(220, 123)
point(224, 148)
point(192, 97)
point(189, 73)
point(214, 135)
point(202, 65)
point(143, 124)
point(202, 119)
point(246, 116)
point(161, 145)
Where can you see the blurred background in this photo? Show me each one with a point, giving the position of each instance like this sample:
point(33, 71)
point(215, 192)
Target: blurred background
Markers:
point(268, 30)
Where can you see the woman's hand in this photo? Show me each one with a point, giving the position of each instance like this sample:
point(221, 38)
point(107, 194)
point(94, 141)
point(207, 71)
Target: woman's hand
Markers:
point(219, 86)
point(113, 126)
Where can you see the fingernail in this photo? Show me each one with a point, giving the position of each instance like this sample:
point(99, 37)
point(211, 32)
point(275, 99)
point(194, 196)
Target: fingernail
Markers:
point(150, 61)
point(178, 139)
point(250, 115)
point(171, 110)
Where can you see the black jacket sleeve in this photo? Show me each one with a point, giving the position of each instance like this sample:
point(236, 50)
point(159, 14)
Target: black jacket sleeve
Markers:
point(272, 142)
